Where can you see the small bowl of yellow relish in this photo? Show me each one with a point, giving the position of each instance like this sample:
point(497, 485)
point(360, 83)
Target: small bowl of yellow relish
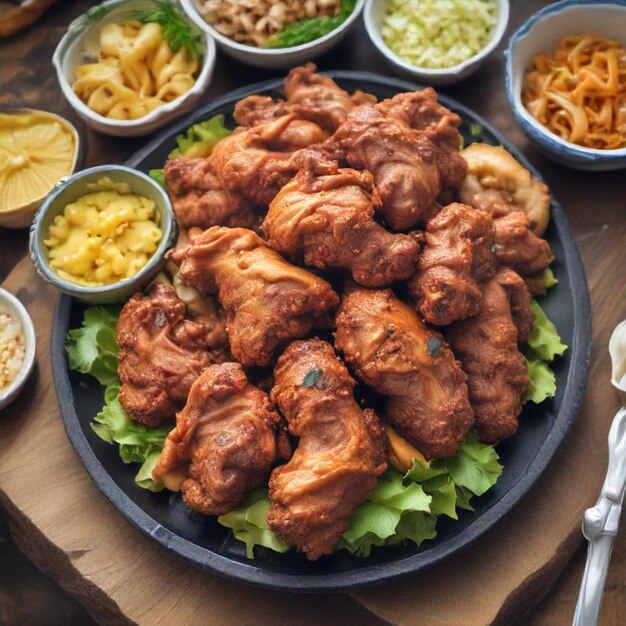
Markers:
point(102, 235)
point(37, 149)
point(439, 42)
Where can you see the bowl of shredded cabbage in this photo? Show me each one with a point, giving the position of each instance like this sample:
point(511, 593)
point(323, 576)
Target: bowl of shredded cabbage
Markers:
point(437, 41)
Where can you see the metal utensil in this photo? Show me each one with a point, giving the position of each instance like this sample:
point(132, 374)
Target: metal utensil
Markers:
point(600, 523)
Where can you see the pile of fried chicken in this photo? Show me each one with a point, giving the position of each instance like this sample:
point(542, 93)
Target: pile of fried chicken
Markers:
point(333, 241)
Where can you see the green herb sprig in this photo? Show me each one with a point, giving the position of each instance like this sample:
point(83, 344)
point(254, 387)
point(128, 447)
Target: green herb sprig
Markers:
point(176, 30)
point(311, 28)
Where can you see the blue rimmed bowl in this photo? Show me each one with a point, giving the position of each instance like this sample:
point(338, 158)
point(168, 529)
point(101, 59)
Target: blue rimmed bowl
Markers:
point(69, 190)
point(542, 33)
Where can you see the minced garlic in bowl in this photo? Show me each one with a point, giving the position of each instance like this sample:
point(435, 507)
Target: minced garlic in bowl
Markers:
point(12, 350)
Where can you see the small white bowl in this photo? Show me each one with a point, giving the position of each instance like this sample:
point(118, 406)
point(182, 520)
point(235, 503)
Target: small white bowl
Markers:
point(15, 309)
point(541, 33)
point(373, 15)
point(81, 38)
point(272, 58)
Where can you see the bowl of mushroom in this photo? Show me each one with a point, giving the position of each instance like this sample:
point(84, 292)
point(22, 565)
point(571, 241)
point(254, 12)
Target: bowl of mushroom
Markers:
point(274, 35)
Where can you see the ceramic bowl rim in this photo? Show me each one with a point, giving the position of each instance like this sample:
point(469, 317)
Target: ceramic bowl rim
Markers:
point(456, 70)
point(547, 138)
point(190, 8)
point(30, 347)
point(37, 252)
point(80, 26)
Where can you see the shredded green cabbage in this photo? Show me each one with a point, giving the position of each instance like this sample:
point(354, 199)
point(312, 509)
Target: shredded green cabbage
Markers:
point(437, 34)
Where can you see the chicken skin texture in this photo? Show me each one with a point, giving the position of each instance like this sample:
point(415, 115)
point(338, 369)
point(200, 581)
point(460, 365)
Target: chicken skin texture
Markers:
point(519, 298)
point(497, 183)
point(268, 301)
point(486, 345)
point(319, 99)
point(421, 111)
point(402, 161)
point(392, 351)
point(200, 200)
point(325, 215)
point(457, 258)
point(161, 353)
point(340, 454)
point(518, 247)
point(224, 442)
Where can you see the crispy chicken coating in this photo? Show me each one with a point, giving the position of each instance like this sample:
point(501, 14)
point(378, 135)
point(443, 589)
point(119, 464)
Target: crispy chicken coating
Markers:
point(268, 301)
point(161, 353)
point(519, 298)
point(392, 351)
point(326, 216)
point(498, 379)
point(319, 99)
point(421, 111)
point(255, 109)
point(224, 443)
point(457, 258)
point(402, 161)
point(340, 454)
point(498, 184)
point(199, 199)
point(518, 247)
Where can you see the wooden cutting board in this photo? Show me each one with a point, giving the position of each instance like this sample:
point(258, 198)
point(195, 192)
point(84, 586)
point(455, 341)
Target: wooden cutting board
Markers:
point(71, 532)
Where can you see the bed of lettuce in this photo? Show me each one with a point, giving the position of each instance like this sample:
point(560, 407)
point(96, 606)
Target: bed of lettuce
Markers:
point(402, 507)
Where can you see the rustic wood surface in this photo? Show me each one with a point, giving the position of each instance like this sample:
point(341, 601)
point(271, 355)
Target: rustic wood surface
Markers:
point(70, 531)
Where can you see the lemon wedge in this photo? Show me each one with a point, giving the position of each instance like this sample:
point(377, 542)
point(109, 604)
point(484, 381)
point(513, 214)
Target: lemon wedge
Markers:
point(36, 151)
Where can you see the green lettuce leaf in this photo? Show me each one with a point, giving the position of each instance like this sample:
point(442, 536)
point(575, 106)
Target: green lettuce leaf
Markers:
point(198, 141)
point(400, 508)
point(92, 348)
point(248, 523)
point(137, 443)
point(543, 341)
point(542, 381)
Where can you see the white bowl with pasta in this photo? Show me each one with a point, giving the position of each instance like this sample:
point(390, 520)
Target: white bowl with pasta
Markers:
point(376, 18)
point(80, 46)
point(541, 34)
point(272, 58)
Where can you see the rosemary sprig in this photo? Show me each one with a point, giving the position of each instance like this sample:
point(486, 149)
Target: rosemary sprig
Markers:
point(176, 30)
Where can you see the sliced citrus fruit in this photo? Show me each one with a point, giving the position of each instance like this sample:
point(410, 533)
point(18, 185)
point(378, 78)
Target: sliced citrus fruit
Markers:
point(36, 151)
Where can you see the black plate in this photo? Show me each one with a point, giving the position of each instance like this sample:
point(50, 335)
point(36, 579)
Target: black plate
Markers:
point(201, 542)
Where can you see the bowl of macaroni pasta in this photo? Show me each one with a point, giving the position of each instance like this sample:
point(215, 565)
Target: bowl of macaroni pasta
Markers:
point(102, 234)
point(128, 67)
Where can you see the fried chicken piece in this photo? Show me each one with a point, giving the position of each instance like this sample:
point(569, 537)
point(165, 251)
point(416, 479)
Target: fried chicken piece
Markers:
point(199, 198)
point(161, 353)
point(498, 184)
point(457, 258)
point(319, 99)
point(518, 247)
point(255, 109)
point(340, 454)
point(402, 161)
point(268, 301)
point(392, 351)
point(486, 345)
point(224, 443)
point(421, 111)
point(519, 298)
point(326, 215)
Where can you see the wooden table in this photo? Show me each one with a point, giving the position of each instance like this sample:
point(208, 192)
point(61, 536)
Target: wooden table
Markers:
point(595, 203)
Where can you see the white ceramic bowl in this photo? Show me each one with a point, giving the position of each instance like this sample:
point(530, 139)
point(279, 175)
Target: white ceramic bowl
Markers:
point(373, 15)
point(15, 309)
point(542, 33)
point(272, 58)
point(81, 39)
